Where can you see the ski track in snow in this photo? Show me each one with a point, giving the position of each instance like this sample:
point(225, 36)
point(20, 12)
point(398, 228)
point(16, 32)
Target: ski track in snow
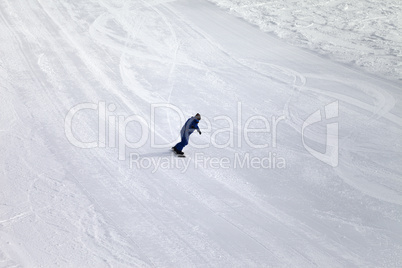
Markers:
point(65, 206)
point(363, 32)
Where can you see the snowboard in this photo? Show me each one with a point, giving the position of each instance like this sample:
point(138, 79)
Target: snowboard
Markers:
point(178, 155)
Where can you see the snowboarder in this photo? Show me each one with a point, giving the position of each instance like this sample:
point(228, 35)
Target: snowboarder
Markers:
point(186, 131)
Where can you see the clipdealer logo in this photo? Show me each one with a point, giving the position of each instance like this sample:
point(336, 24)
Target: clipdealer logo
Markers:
point(331, 154)
point(112, 132)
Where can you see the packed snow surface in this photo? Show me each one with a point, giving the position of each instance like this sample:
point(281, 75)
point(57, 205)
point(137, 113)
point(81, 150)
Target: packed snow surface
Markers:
point(365, 33)
point(298, 164)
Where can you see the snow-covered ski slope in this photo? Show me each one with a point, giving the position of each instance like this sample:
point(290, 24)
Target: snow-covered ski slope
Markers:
point(365, 33)
point(291, 206)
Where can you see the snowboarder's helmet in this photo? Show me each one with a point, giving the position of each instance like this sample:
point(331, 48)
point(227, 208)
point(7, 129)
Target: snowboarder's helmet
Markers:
point(198, 116)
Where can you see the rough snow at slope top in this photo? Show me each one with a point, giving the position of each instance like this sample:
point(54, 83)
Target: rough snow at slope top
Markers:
point(363, 32)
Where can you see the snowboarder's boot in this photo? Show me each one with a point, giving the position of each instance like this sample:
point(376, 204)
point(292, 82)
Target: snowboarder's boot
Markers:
point(179, 153)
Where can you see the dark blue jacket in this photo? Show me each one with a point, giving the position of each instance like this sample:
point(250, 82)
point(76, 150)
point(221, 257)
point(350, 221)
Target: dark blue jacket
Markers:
point(190, 126)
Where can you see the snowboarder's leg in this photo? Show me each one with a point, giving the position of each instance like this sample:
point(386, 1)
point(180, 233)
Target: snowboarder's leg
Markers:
point(179, 147)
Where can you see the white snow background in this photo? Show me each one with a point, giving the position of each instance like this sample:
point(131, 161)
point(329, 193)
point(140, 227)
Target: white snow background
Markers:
point(66, 206)
point(365, 33)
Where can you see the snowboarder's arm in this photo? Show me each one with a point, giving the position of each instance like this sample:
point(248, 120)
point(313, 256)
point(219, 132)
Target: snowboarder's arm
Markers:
point(192, 125)
point(195, 126)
